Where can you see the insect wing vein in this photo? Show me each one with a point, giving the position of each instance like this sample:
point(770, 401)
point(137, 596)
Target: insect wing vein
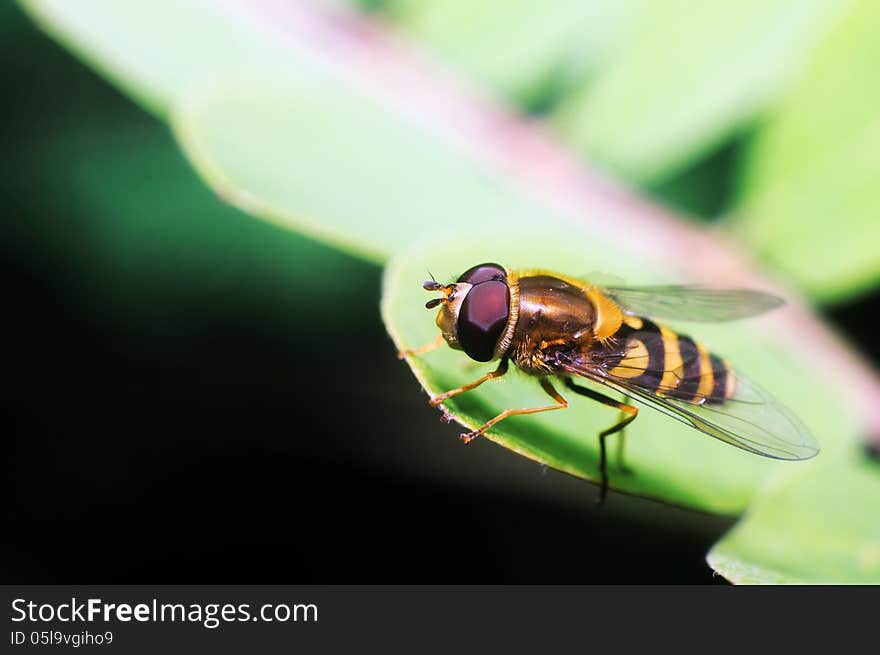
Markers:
point(692, 302)
point(751, 420)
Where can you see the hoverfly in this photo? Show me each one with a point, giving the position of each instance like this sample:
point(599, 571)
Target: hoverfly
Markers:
point(555, 327)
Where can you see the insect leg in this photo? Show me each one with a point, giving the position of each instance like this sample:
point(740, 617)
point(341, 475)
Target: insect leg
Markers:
point(421, 350)
point(631, 413)
point(561, 403)
point(621, 440)
point(497, 373)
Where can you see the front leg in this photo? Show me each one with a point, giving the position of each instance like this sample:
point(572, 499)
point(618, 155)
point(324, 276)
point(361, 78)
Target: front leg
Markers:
point(421, 350)
point(561, 403)
point(497, 373)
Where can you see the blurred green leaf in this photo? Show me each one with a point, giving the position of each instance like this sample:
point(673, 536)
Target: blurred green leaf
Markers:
point(817, 525)
point(245, 136)
point(703, 190)
point(685, 76)
point(810, 200)
point(324, 158)
point(155, 51)
point(671, 462)
point(520, 49)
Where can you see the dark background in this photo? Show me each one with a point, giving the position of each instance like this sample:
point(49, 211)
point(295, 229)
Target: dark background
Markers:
point(197, 397)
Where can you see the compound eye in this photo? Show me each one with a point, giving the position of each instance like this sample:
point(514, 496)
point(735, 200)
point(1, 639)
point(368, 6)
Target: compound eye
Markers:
point(482, 319)
point(483, 273)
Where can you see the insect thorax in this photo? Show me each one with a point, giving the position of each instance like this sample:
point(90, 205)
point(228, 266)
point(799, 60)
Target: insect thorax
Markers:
point(555, 318)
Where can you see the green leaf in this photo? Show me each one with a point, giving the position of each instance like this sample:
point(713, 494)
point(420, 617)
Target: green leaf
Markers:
point(328, 159)
point(362, 170)
point(819, 525)
point(518, 48)
point(810, 200)
point(671, 462)
point(686, 76)
point(156, 51)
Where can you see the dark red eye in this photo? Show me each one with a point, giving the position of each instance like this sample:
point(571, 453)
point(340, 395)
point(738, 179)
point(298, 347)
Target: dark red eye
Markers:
point(482, 318)
point(483, 273)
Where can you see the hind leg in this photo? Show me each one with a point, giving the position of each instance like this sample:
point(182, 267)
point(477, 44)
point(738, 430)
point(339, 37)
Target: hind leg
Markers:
point(628, 414)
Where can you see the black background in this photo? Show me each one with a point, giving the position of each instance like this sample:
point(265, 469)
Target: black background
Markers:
point(217, 415)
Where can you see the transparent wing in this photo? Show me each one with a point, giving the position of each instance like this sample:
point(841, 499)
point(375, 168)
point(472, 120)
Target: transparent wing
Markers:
point(693, 302)
point(751, 419)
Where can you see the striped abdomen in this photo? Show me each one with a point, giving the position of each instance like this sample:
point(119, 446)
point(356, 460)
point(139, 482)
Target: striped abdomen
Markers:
point(667, 363)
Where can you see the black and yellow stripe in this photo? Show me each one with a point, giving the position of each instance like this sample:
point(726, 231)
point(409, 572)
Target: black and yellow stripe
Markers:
point(664, 362)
